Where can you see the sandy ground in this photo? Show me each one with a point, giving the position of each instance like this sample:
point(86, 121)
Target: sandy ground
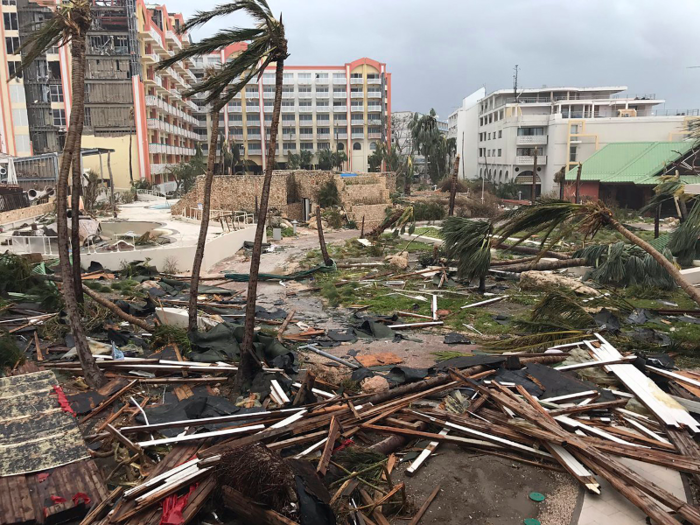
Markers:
point(475, 489)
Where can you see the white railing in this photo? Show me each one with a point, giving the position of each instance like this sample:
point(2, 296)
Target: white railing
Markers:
point(374, 135)
point(527, 160)
point(374, 80)
point(340, 109)
point(374, 94)
point(287, 94)
point(306, 94)
point(339, 80)
point(356, 81)
point(288, 109)
point(172, 36)
point(531, 139)
point(358, 135)
point(237, 219)
point(340, 95)
point(322, 94)
point(306, 136)
point(374, 107)
point(28, 244)
point(305, 109)
point(342, 135)
point(356, 94)
point(253, 136)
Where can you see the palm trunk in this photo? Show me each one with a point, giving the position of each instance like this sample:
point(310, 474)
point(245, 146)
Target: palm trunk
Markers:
point(669, 266)
point(321, 240)
point(517, 266)
point(93, 375)
point(249, 365)
point(204, 224)
point(578, 183)
point(453, 187)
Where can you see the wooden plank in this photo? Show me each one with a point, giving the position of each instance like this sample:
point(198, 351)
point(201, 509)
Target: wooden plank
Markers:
point(411, 470)
point(424, 508)
point(101, 506)
point(124, 440)
point(108, 401)
point(333, 433)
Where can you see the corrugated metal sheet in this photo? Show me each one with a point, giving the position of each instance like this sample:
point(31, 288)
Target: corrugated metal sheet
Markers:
point(630, 162)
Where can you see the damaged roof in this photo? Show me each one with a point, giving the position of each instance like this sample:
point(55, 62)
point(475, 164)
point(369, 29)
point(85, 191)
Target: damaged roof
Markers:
point(633, 162)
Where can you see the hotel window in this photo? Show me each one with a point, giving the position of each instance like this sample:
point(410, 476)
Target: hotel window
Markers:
point(288, 77)
point(12, 44)
point(304, 89)
point(56, 93)
point(59, 117)
point(304, 76)
point(322, 76)
point(306, 118)
point(572, 154)
point(9, 2)
point(10, 20)
point(338, 76)
point(499, 152)
point(324, 145)
point(285, 118)
point(500, 133)
point(12, 69)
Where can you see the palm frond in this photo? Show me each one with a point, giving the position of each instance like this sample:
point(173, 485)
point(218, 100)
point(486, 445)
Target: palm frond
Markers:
point(562, 309)
point(684, 240)
point(469, 242)
point(670, 188)
point(534, 342)
point(213, 43)
point(258, 9)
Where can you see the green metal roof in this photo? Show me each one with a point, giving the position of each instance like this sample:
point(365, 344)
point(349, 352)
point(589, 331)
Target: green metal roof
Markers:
point(632, 162)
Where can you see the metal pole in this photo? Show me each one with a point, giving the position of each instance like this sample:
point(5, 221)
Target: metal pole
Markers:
point(329, 356)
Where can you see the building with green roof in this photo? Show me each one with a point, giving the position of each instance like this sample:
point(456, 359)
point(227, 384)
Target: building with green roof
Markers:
point(624, 174)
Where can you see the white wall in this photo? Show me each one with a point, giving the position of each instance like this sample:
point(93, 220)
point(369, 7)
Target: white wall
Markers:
point(467, 134)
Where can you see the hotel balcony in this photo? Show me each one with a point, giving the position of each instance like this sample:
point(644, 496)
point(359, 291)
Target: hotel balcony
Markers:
point(356, 135)
point(341, 135)
point(374, 94)
point(253, 136)
point(342, 95)
point(374, 107)
point(531, 140)
point(340, 109)
point(174, 38)
point(355, 94)
point(357, 81)
point(306, 109)
point(339, 81)
point(374, 135)
point(528, 160)
point(323, 135)
point(289, 109)
point(306, 136)
point(305, 95)
point(374, 80)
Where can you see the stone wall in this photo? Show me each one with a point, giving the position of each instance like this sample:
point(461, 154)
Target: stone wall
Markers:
point(22, 214)
point(289, 187)
point(236, 192)
point(374, 215)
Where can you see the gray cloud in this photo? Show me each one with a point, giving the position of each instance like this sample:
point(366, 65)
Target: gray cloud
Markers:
point(439, 51)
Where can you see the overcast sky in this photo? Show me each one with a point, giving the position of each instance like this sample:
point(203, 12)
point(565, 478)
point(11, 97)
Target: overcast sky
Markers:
point(439, 51)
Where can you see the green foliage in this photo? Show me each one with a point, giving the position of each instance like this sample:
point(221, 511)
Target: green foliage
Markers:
point(432, 144)
point(10, 354)
point(506, 190)
point(164, 335)
point(428, 211)
point(560, 309)
point(328, 160)
point(141, 184)
point(684, 240)
point(293, 161)
point(376, 158)
point(90, 191)
point(333, 218)
point(328, 195)
point(622, 264)
point(469, 242)
point(306, 159)
point(444, 355)
point(97, 286)
point(286, 232)
point(185, 173)
point(15, 274)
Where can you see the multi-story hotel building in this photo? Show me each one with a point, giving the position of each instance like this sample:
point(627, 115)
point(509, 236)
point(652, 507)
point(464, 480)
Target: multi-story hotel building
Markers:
point(497, 134)
point(130, 107)
point(342, 108)
point(141, 113)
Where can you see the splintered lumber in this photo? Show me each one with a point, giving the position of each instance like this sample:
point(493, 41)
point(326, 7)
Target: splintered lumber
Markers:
point(588, 364)
point(574, 467)
point(124, 440)
point(425, 453)
point(590, 406)
point(483, 303)
point(108, 401)
point(98, 509)
point(333, 433)
point(608, 467)
point(312, 448)
point(663, 406)
point(377, 512)
point(424, 508)
point(329, 356)
point(203, 435)
point(278, 394)
point(284, 325)
point(252, 512)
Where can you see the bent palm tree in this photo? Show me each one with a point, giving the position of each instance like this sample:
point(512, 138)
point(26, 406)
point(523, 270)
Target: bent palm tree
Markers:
point(552, 220)
point(69, 25)
point(267, 45)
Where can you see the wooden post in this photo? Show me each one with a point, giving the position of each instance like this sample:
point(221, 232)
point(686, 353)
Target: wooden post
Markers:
point(326, 259)
point(111, 183)
point(453, 187)
point(362, 230)
point(657, 221)
point(578, 183)
point(534, 178)
point(562, 183)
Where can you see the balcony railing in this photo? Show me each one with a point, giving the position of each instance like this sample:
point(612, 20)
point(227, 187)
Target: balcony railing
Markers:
point(306, 136)
point(267, 80)
point(340, 109)
point(250, 108)
point(358, 121)
point(252, 94)
point(288, 109)
point(340, 95)
point(535, 140)
point(306, 95)
point(374, 80)
point(323, 135)
point(374, 107)
point(235, 109)
point(374, 135)
point(374, 121)
point(267, 94)
point(356, 94)
point(322, 94)
point(339, 80)
point(528, 160)
point(303, 81)
point(374, 94)
point(357, 135)
point(341, 135)
point(288, 94)
point(305, 109)
point(254, 136)
point(356, 81)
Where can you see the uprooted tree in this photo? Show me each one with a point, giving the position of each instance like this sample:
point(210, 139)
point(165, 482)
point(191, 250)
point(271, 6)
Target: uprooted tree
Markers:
point(470, 241)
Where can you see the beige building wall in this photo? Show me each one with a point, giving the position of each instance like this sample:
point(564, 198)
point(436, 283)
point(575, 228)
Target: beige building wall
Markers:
point(119, 158)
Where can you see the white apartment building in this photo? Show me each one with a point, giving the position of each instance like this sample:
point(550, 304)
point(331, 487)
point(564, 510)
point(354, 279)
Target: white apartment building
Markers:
point(402, 138)
point(499, 134)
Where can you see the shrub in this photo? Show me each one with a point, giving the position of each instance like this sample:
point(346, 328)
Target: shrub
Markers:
point(10, 354)
point(446, 185)
point(428, 211)
point(333, 218)
point(328, 195)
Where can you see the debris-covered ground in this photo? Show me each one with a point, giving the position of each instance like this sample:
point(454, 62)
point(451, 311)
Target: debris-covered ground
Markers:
point(392, 392)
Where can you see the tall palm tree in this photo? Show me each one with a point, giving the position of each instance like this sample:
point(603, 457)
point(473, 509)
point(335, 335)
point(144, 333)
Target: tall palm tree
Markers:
point(267, 45)
point(69, 26)
point(553, 220)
